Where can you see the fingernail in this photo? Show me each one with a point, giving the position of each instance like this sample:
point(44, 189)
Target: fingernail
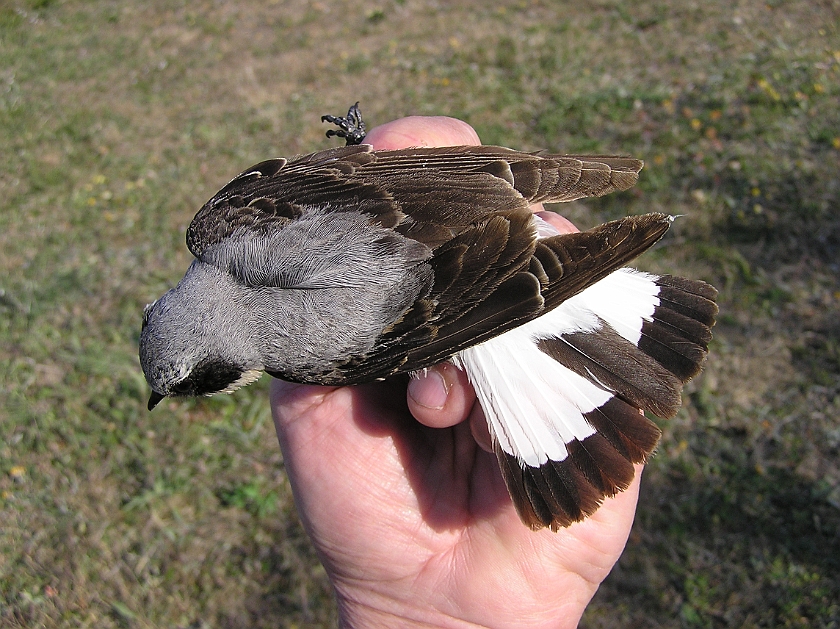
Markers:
point(429, 390)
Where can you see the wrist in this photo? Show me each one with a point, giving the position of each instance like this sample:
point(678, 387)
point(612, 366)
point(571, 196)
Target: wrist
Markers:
point(381, 612)
point(376, 611)
point(361, 617)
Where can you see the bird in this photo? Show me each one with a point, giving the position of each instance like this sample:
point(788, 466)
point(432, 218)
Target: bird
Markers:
point(351, 265)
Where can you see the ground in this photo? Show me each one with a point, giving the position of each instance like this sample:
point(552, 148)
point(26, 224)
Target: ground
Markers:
point(119, 119)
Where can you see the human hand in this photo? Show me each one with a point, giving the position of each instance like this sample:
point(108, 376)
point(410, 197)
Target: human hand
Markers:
point(404, 501)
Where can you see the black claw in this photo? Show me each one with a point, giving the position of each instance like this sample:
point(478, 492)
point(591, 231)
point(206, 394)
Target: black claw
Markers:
point(351, 128)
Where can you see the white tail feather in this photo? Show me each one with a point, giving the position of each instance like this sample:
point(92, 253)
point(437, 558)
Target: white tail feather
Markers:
point(534, 405)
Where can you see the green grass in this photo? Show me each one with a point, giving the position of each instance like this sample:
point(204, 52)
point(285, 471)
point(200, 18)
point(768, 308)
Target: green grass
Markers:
point(118, 120)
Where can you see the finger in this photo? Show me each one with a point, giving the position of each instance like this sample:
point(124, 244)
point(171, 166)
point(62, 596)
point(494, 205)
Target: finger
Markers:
point(422, 131)
point(479, 428)
point(603, 536)
point(440, 396)
point(290, 401)
point(558, 222)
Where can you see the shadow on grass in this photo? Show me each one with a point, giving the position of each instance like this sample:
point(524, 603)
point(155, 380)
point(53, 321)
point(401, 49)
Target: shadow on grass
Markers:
point(736, 546)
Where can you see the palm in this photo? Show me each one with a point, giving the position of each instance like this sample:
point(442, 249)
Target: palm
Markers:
point(414, 513)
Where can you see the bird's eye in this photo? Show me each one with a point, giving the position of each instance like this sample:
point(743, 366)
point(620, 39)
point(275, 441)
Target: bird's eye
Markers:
point(182, 388)
point(207, 377)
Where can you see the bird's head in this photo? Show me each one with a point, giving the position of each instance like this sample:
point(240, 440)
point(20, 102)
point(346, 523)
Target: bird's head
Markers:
point(192, 344)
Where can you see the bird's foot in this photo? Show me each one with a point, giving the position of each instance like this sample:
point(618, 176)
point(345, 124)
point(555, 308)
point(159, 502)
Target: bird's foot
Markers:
point(351, 128)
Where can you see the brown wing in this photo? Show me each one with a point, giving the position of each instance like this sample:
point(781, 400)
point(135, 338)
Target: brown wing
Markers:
point(439, 190)
point(471, 206)
point(540, 279)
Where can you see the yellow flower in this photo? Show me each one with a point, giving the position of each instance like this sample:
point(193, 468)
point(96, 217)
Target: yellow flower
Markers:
point(764, 84)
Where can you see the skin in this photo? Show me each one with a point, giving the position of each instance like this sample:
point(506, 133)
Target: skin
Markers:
point(404, 501)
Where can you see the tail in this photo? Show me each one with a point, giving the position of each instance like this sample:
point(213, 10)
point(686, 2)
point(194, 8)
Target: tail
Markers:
point(563, 394)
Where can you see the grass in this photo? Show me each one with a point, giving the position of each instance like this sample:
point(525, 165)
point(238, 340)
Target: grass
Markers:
point(118, 120)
